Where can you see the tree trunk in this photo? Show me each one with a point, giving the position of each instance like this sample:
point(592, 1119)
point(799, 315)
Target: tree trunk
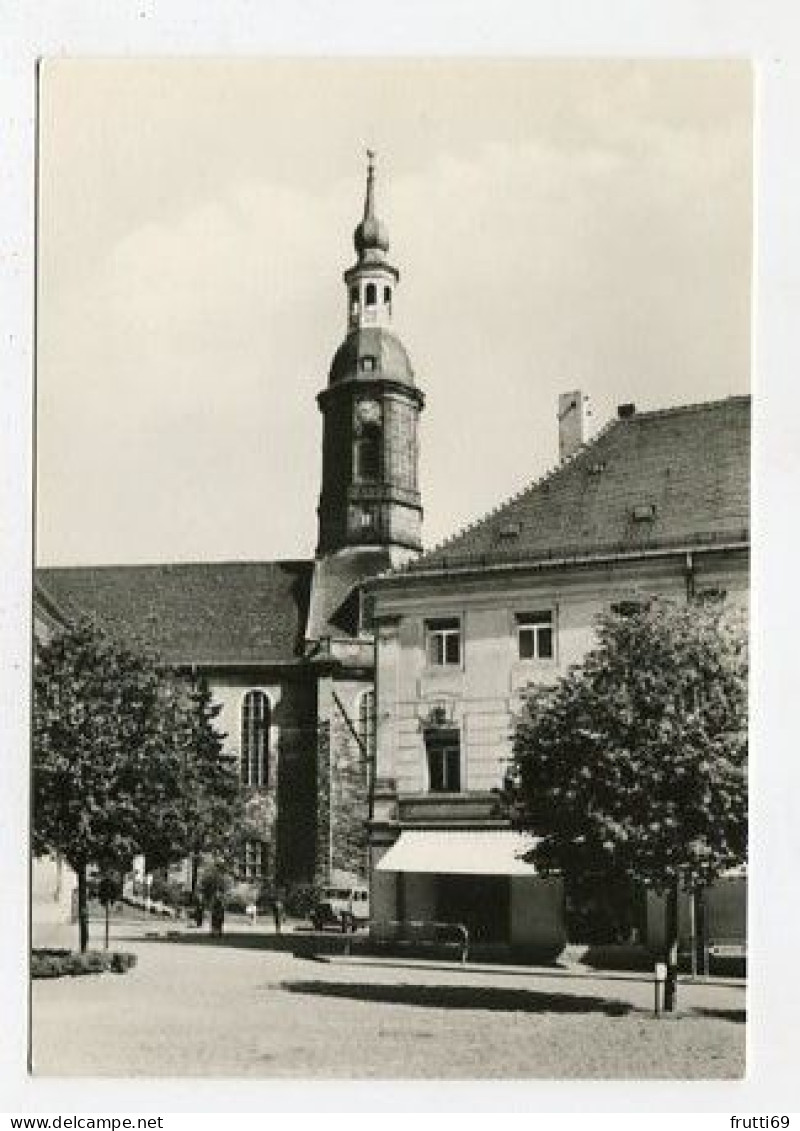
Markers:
point(700, 922)
point(107, 906)
point(693, 931)
point(83, 907)
point(195, 865)
point(671, 955)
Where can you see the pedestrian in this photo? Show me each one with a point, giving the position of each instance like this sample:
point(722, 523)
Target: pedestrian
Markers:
point(251, 911)
point(217, 916)
point(277, 914)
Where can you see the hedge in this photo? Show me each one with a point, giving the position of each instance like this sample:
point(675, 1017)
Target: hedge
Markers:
point(59, 963)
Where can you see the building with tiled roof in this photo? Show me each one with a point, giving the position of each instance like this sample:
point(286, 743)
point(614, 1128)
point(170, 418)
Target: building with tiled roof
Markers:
point(656, 503)
point(284, 644)
point(650, 481)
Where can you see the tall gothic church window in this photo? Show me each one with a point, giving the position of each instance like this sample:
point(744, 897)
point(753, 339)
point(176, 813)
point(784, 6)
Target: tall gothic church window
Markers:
point(255, 739)
point(366, 721)
point(367, 731)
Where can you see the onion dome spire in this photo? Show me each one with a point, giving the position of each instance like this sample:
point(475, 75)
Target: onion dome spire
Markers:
point(370, 238)
point(369, 199)
point(370, 498)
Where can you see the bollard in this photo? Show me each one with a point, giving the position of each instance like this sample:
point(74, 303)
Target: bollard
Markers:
point(659, 979)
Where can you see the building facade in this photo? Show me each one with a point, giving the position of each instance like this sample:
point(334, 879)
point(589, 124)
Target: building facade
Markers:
point(657, 503)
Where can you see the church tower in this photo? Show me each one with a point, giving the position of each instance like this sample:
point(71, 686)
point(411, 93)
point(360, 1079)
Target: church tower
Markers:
point(370, 494)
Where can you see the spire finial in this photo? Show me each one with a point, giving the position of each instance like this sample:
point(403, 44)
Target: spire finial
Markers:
point(369, 200)
point(370, 238)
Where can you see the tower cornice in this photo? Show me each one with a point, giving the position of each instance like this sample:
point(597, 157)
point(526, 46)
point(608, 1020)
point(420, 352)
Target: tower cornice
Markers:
point(380, 386)
point(358, 270)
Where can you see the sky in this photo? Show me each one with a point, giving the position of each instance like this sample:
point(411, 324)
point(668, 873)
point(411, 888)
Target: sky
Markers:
point(557, 225)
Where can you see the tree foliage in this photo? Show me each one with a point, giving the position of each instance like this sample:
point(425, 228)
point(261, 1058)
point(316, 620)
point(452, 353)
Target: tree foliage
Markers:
point(126, 758)
point(633, 766)
point(106, 755)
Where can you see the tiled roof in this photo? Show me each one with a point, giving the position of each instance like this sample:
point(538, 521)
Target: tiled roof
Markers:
point(334, 610)
point(213, 614)
point(679, 476)
point(387, 352)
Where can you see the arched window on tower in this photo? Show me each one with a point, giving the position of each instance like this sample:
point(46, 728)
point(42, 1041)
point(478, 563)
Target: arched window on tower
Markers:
point(256, 717)
point(368, 453)
point(370, 294)
point(353, 302)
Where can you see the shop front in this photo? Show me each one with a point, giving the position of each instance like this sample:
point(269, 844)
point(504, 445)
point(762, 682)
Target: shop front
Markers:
point(477, 878)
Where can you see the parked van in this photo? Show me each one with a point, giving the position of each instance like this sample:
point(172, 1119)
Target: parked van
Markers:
point(345, 908)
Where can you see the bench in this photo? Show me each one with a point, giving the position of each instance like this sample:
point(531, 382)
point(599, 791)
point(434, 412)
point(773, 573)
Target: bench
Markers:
point(720, 949)
point(725, 948)
point(411, 933)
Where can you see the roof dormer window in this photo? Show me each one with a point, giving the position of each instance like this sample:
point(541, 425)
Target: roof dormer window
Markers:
point(508, 532)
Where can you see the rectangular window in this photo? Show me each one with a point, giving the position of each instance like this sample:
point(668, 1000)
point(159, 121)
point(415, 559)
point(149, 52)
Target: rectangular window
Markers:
point(254, 860)
point(443, 642)
point(535, 635)
point(443, 749)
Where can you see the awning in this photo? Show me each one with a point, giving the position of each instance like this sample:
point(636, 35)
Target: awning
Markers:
point(470, 852)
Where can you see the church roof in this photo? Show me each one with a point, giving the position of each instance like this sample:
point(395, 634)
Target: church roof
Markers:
point(334, 609)
point(389, 362)
point(222, 614)
point(648, 480)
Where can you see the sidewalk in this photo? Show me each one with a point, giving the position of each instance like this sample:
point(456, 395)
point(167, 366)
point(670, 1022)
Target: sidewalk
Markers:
point(333, 950)
point(516, 970)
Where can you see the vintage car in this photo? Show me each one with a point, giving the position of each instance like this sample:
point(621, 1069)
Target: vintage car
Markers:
point(345, 908)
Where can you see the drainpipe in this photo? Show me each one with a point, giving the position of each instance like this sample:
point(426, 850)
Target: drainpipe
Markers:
point(365, 754)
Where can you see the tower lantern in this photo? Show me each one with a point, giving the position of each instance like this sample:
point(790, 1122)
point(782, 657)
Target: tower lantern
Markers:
point(372, 280)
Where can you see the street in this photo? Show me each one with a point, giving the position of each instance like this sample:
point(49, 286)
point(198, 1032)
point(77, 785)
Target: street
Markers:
point(246, 1006)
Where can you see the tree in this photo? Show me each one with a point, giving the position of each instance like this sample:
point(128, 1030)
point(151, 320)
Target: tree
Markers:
point(632, 768)
point(107, 756)
point(213, 807)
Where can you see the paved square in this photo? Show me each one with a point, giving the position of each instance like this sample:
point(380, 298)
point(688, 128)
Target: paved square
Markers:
point(239, 1007)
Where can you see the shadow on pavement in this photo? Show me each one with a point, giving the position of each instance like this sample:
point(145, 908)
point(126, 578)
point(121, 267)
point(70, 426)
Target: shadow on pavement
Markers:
point(738, 1015)
point(301, 944)
point(462, 997)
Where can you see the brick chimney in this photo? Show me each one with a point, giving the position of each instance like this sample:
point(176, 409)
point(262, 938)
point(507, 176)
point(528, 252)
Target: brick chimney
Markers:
point(572, 413)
